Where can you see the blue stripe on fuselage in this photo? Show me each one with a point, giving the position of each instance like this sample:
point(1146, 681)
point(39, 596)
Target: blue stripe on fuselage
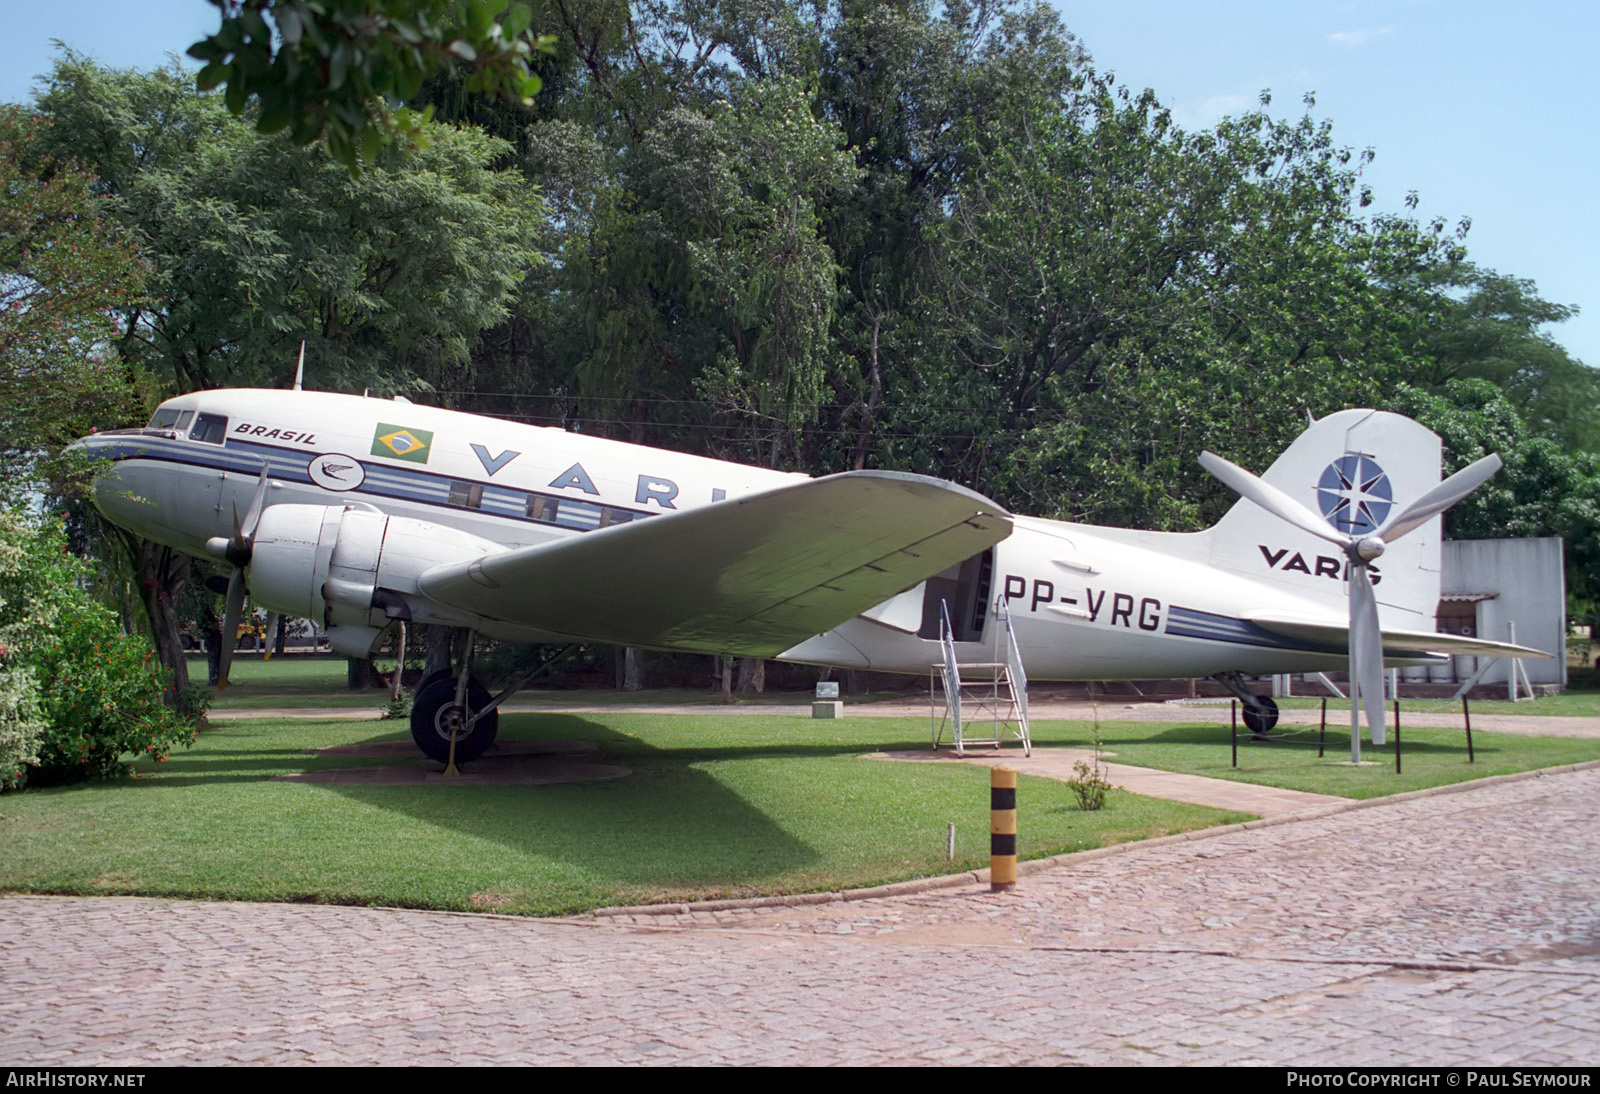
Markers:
point(1192, 623)
point(382, 480)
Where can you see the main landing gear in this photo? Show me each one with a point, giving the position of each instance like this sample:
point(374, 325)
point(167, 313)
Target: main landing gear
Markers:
point(1260, 711)
point(437, 718)
point(452, 708)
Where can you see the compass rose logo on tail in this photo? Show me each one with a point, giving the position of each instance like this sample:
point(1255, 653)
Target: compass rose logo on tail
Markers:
point(1355, 495)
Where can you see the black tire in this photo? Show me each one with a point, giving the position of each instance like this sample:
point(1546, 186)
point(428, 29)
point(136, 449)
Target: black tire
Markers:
point(441, 674)
point(1258, 721)
point(434, 713)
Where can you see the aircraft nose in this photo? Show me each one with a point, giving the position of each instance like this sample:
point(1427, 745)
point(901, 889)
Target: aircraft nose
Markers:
point(116, 499)
point(117, 489)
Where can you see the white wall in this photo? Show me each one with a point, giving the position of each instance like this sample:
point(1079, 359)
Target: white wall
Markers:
point(1529, 577)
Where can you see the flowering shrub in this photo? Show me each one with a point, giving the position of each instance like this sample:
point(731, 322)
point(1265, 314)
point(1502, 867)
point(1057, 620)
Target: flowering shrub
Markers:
point(21, 727)
point(76, 694)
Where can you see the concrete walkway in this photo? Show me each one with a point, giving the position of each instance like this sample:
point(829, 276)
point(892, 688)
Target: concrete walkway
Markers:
point(1057, 763)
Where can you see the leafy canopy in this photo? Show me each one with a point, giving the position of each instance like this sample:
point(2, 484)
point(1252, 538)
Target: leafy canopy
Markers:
point(63, 270)
point(336, 70)
point(255, 244)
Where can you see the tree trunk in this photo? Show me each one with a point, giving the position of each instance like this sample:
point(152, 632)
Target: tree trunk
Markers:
point(213, 645)
point(161, 574)
point(752, 675)
point(725, 691)
point(632, 670)
point(438, 651)
point(395, 681)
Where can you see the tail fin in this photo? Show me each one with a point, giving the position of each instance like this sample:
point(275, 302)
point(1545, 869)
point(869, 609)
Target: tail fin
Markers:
point(1353, 467)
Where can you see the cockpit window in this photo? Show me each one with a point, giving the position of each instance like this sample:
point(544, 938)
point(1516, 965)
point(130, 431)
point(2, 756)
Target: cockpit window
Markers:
point(210, 428)
point(171, 418)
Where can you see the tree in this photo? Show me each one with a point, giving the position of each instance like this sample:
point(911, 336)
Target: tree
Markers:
point(255, 245)
point(738, 193)
point(1543, 490)
point(735, 277)
point(337, 70)
point(1115, 269)
point(64, 269)
point(908, 84)
point(1484, 325)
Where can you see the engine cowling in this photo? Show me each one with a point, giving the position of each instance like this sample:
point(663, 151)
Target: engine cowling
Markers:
point(350, 566)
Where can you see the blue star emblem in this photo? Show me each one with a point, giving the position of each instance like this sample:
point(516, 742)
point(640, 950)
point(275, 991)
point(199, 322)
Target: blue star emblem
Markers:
point(1354, 495)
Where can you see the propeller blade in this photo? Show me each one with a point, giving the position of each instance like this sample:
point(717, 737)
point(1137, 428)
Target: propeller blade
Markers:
point(274, 621)
point(252, 515)
point(1271, 499)
point(230, 625)
point(1440, 498)
point(1366, 651)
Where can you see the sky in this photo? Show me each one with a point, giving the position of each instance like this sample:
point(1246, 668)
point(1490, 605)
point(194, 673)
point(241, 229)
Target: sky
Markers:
point(1485, 109)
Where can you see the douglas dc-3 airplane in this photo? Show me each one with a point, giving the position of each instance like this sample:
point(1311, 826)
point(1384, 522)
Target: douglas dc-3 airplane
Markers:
point(359, 511)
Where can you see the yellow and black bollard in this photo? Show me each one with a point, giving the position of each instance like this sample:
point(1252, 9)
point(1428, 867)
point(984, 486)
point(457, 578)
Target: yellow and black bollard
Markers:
point(1002, 830)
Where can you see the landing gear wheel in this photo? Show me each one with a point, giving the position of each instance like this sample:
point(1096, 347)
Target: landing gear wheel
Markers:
point(437, 674)
point(1261, 721)
point(435, 718)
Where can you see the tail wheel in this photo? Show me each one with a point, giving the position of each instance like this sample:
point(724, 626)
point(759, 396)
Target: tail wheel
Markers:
point(1260, 720)
point(436, 719)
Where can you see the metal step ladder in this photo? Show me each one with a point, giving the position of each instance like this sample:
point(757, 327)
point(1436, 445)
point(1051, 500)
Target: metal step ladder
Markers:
point(987, 698)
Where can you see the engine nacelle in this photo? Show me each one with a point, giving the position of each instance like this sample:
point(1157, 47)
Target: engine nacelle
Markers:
point(350, 566)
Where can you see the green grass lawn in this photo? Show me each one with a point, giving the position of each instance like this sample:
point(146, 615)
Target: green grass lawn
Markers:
point(288, 681)
point(714, 807)
point(1580, 700)
point(1429, 757)
point(1569, 704)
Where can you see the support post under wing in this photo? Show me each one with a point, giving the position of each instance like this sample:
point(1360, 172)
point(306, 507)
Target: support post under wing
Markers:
point(752, 576)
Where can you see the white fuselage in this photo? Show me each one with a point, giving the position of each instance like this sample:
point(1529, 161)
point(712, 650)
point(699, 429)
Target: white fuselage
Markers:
point(1085, 602)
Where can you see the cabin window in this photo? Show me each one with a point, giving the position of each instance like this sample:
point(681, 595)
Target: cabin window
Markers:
point(468, 495)
point(210, 428)
point(542, 508)
point(610, 516)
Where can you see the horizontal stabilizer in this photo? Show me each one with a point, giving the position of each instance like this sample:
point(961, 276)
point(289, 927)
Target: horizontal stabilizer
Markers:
point(1395, 643)
point(751, 576)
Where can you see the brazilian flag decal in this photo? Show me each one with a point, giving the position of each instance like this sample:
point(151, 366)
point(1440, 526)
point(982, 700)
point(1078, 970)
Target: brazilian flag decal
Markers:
point(399, 442)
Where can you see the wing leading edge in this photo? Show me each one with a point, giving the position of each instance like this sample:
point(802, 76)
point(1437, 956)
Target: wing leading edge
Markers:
point(752, 576)
point(1396, 643)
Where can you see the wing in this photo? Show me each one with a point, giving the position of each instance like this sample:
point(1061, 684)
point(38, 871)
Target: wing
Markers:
point(753, 576)
point(1395, 643)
